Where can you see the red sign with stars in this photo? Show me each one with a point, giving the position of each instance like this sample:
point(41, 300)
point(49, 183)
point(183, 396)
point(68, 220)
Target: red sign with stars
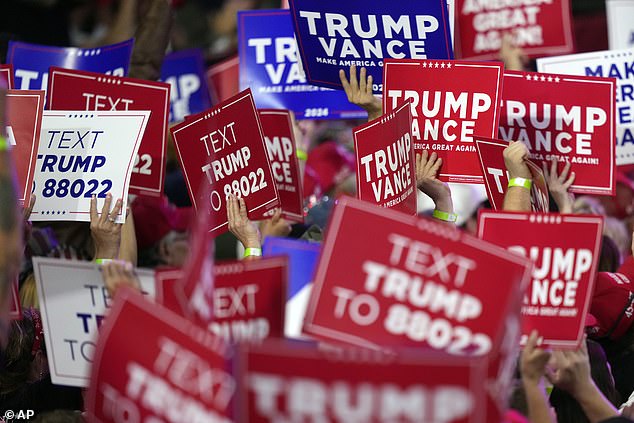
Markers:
point(451, 101)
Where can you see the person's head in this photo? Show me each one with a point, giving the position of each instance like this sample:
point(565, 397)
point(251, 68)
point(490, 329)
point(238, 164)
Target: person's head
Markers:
point(611, 310)
point(566, 407)
point(617, 230)
point(328, 168)
point(610, 258)
point(161, 232)
point(587, 205)
point(622, 204)
point(24, 359)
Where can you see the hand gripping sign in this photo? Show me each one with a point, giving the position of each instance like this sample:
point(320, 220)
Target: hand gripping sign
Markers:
point(77, 90)
point(6, 76)
point(248, 298)
point(564, 250)
point(85, 154)
point(412, 282)
point(496, 178)
point(270, 66)
point(569, 119)
point(451, 103)
point(540, 27)
point(386, 169)
point(333, 35)
point(24, 119)
point(280, 146)
point(617, 64)
point(74, 302)
point(179, 373)
point(620, 25)
point(31, 61)
point(184, 71)
point(224, 147)
point(359, 386)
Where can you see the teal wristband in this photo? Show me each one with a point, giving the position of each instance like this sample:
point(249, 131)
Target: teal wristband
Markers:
point(257, 252)
point(444, 216)
point(521, 182)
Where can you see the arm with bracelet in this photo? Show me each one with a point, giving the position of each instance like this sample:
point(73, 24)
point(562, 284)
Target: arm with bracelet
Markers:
point(427, 167)
point(518, 194)
point(246, 231)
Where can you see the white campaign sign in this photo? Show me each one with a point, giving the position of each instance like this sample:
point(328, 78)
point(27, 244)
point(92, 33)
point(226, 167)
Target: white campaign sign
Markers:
point(617, 64)
point(83, 154)
point(73, 302)
point(620, 23)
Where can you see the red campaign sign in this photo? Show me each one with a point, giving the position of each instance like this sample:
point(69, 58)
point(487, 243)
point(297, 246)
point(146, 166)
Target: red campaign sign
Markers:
point(496, 179)
point(24, 121)
point(6, 76)
point(452, 101)
point(568, 118)
point(224, 147)
point(539, 28)
point(164, 286)
point(412, 282)
point(386, 168)
point(223, 80)
point(194, 290)
point(360, 386)
point(248, 298)
point(565, 251)
point(280, 145)
point(178, 364)
point(15, 309)
point(79, 90)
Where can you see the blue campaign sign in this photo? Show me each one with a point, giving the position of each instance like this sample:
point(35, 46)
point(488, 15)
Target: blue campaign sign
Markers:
point(269, 65)
point(185, 71)
point(302, 259)
point(334, 34)
point(32, 61)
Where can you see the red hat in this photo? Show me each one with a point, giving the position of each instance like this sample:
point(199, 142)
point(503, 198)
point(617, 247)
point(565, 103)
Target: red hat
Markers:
point(327, 165)
point(156, 217)
point(612, 311)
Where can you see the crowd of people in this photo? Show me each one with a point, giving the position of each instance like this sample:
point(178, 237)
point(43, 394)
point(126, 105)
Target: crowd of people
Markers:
point(592, 384)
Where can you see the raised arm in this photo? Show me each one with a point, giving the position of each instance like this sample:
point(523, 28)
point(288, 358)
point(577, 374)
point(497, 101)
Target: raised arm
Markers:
point(427, 167)
point(360, 92)
point(558, 185)
point(533, 368)
point(518, 195)
point(106, 234)
point(572, 374)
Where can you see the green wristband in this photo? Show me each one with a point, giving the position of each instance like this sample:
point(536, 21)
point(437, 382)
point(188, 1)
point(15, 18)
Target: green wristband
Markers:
point(521, 182)
point(4, 144)
point(444, 216)
point(103, 261)
point(253, 252)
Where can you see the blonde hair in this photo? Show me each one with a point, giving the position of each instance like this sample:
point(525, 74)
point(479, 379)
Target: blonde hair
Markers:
point(28, 293)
